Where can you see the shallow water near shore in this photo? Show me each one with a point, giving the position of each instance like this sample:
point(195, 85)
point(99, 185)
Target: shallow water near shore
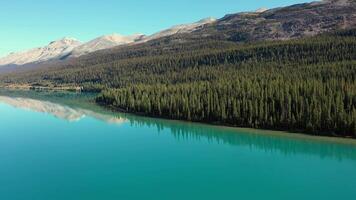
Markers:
point(58, 145)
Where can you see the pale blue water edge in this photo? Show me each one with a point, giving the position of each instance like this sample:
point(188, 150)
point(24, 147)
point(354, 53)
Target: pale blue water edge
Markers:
point(58, 146)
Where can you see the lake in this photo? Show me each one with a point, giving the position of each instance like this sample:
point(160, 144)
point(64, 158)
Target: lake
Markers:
point(57, 145)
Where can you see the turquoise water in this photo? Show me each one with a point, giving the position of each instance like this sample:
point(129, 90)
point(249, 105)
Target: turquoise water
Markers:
point(56, 147)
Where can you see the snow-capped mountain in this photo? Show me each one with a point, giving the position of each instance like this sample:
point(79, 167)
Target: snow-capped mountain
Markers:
point(69, 47)
point(53, 50)
point(183, 28)
point(105, 42)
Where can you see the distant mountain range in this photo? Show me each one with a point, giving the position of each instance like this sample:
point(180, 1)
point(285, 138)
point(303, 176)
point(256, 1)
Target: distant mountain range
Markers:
point(70, 47)
point(284, 23)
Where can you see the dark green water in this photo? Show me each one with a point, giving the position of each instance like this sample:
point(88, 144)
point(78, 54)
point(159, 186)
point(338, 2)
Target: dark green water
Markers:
point(57, 146)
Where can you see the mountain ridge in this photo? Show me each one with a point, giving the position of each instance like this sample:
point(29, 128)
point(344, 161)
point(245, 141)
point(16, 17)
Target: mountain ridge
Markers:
point(53, 50)
point(99, 43)
point(105, 42)
point(283, 23)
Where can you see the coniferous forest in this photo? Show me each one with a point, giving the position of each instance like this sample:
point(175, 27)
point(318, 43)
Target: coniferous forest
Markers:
point(306, 85)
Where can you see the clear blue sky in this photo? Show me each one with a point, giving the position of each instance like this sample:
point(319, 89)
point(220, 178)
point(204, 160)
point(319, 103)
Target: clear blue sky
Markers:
point(27, 24)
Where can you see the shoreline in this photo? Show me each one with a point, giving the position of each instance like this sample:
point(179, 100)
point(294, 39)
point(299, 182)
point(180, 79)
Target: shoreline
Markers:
point(32, 87)
point(261, 131)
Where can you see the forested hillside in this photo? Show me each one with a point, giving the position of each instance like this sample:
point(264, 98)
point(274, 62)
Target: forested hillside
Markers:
point(303, 85)
point(194, 61)
point(306, 84)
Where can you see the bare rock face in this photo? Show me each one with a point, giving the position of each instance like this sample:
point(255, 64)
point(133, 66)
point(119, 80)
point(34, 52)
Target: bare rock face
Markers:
point(284, 23)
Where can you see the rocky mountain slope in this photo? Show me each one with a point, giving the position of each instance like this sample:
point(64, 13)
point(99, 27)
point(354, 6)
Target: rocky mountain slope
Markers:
point(105, 42)
point(69, 48)
point(183, 28)
point(285, 23)
point(53, 50)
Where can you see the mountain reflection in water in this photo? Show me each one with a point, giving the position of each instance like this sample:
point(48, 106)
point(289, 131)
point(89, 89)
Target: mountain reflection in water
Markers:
point(61, 111)
point(75, 106)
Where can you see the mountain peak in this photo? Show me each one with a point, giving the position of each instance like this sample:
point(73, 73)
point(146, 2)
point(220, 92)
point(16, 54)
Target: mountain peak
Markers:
point(105, 42)
point(66, 41)
point(53, 50)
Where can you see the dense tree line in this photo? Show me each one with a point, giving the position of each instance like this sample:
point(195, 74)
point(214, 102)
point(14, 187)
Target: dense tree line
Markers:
point(316, 99)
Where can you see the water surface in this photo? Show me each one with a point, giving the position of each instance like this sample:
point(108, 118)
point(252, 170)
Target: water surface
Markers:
point(56, 146)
